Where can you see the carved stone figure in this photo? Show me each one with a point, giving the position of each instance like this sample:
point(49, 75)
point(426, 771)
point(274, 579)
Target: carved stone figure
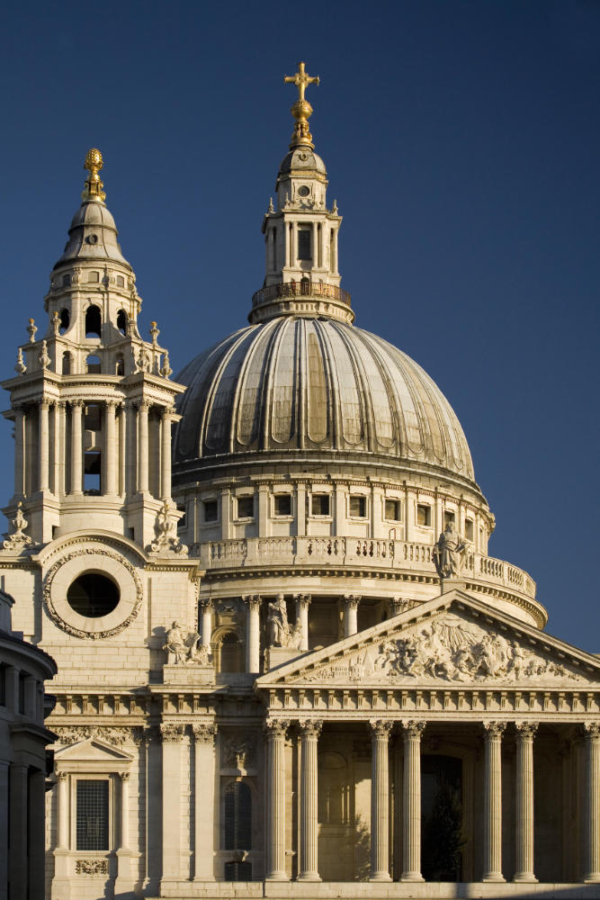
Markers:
point(18, 540)
point(277, 622)
point(448, 551)
point(166, 541)
point(185, 649)
point(238, 753)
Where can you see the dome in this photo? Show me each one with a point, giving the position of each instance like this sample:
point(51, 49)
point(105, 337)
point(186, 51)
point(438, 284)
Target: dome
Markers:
point(302, 158)
point(92, 235)
point(297, 383)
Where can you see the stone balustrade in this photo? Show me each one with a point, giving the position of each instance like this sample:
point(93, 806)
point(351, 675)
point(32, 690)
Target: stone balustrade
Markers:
point(361, 552)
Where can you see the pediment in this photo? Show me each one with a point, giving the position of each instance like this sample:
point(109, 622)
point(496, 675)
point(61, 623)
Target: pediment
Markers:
point(453, 640)
point(92, 750)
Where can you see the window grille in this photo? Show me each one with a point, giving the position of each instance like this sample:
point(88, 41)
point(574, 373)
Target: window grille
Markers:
point(92, 815)
point(238, 818)
point(320, 504)
point(283, 504)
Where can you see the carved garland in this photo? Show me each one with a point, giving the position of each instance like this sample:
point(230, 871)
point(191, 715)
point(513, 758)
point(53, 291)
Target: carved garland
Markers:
point(78, 632)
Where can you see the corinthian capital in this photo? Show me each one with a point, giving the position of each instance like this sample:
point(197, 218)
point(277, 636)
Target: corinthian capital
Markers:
point(276, 728)
point(526, 730)
point(204, 732)
point(494, 730)
point(380, 729)
point(171, 734)
point(311, 728)
point(413, 730)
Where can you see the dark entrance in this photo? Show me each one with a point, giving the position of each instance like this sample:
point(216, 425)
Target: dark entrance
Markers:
point(441, 818)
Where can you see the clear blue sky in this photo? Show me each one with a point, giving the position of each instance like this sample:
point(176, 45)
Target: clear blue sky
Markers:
point(462, 141)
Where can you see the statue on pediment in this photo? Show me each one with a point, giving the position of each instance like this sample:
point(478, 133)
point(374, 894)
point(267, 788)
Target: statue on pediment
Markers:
point(448, 552)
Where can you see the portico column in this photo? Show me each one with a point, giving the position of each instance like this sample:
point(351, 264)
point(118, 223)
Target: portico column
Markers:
point(165, 454)
point(592, 802)
point(143, 409)
point(59, 448)
point(252, 602)
point(76, 447)
point(309, 791)
point(124, 811)
point(411, 801)
point(204, 800)
point(351, 602)
point(524, 801)
point(37, 854)
point(43, 446)
point(380, 801)
point(302, 604)
point(62, 811)
point(19, 450)
point(276, 730)
point(492, 826)
point(206, 605)
point(17, 863)
point(172, 738)
point(109, 467)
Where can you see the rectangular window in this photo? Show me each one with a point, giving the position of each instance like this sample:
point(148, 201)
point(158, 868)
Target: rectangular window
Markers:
point(449, 518)
point(211, 510)
point(320, 504)
point(94, 276)
point(91, 473)
point(393, 510)
point(92, 814)
point(283, 504)
point(304, 243)
point(423, 515)
point(358, 506)
point(469, 529)
point(245, 507)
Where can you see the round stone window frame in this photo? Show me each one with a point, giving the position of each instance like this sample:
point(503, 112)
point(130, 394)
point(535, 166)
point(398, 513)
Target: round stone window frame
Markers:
point(105, 562)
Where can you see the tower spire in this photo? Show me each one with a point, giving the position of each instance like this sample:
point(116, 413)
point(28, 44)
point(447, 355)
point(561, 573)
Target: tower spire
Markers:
point(301, 110)
point(93, 185)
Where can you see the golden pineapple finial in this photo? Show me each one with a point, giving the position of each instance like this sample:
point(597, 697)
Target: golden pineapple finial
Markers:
point(301, 110)
point(93, 185)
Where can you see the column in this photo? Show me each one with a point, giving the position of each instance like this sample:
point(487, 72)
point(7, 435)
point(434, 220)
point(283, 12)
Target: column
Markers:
point(4, 775)
point(309, 791)
point(204, 800)
point(109, 457)
point(60, 444)
point(351, 602)
point(301, 509)
point(124, 776)
point(76, 447)
point(264, 519)
point(294, 245)
point(124, 882)
point(592, 802)
point(37, 808)
point(130, 448)
point(206, 605)
point(252, 601)
point(411, 802)
point(524, 802)
point(380, 801)
point(62, 811)
point(276, 730)
point(43, 446)
point(492, 826)
point(172, 738)
point(302, 604)
point(165, 453)
point(142, 485)
point(19, 451)
point(18, 831)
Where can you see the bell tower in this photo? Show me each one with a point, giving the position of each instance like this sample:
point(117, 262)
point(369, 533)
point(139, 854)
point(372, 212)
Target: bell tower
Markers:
point(92, 402)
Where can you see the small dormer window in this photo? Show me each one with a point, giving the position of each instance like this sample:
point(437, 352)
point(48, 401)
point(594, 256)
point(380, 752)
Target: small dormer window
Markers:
point(66, 281)
point(120, 281)
point(93, 276)
point(303, 191)
point(305, 243)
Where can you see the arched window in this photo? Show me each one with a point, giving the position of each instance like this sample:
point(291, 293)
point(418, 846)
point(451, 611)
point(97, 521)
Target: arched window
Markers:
point(93, 366)
point(122, 321)
point(66, 363)
point(237, 816)
point(93, 321)
point(230, 653)
point(120, 365)
point(65, 320)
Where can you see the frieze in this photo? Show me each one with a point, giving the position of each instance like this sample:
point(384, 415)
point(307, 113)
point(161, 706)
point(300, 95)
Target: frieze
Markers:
point(117, 736)
point(447, 649)
point(91, 867)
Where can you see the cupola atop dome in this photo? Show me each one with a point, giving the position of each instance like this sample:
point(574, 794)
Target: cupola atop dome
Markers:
point(301, 234)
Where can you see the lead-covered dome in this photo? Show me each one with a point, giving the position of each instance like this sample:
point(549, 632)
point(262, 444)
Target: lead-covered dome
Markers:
point(297, 383)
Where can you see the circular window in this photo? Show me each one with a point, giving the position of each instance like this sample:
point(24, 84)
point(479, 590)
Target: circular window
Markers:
point(93, 595)
point(304, 191)
point(92, 239)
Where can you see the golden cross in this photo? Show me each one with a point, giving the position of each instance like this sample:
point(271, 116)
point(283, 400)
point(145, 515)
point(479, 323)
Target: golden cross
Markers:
point(301, 79)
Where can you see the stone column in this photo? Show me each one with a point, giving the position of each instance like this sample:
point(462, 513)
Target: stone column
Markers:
point(4, 774)
point(252, 601)
point(592, 803)
point(351, 602)
point(165, 453)
point(294, 245)
point(129, 450)
point(411, 802)
point(143, 470)
point(301, 509)
point(109, 457)
point(76, 447)
point(380, 801)
point(123, 882)
point(43, 446)
point(264, 519)
point(37, 801)
point(524, 802)
point(309, 791)
point(124, 845)
point(276, 730)
point(492, 825)
point(206, 605)
point(172, 738)
point(17, 863)
point(302, 604)
point(59, 448)
point(62, 811)
point(19, 451)
point(204, 800)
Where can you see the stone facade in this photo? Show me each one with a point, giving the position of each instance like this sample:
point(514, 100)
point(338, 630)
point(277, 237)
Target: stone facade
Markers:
point(288, 666)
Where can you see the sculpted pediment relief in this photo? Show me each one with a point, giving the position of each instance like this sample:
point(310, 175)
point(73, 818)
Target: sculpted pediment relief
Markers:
point(450, 641)
point(92, 750)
